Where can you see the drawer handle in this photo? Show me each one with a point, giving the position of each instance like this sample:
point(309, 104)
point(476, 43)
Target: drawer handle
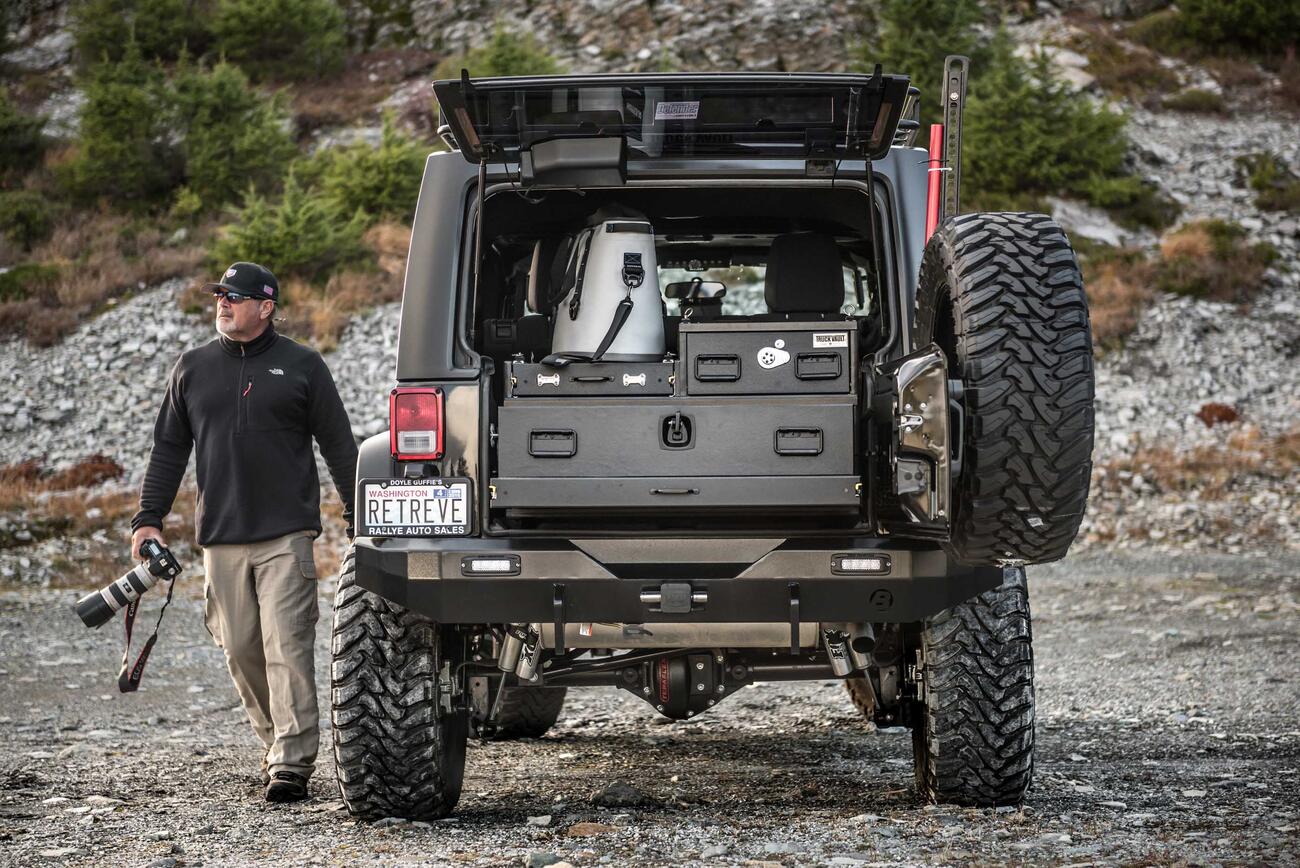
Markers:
point(674, 491)
point(552, 443)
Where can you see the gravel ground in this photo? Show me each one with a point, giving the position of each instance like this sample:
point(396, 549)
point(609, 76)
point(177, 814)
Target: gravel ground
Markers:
point(1169, 701)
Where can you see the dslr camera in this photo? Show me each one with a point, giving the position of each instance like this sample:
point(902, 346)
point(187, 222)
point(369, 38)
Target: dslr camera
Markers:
point(98, 607)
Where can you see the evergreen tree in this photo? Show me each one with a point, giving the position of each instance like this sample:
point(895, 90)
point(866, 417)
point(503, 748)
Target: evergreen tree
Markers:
point(163, 29)
point(232, 136)
point(123, 151)
point(913, 37)
point(281, 40)
point(303, 235)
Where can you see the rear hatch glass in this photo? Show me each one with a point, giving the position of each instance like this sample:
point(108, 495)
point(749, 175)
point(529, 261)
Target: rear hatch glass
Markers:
point(719, 115)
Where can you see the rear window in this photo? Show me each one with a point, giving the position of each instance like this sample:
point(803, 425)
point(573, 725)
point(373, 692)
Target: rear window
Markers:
point(744, 289)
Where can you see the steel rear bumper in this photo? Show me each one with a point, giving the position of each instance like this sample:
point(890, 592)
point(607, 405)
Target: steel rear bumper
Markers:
point(617, 581)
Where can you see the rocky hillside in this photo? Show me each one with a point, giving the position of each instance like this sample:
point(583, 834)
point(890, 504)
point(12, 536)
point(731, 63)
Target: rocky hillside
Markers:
point(1198, 445)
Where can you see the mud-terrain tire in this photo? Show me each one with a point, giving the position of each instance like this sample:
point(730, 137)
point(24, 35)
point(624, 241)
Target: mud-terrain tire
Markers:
point(527, 712)
point(397, 752)
point(973, 732)
point(1002, 295)
point(864, 698)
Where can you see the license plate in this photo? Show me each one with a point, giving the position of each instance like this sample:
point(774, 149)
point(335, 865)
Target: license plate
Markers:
point(414, 507)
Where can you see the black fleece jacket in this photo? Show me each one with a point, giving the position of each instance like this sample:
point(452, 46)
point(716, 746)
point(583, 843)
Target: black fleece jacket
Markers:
point(250, 410)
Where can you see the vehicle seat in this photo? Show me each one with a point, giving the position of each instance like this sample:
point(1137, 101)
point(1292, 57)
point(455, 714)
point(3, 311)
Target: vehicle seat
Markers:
point(804, 280)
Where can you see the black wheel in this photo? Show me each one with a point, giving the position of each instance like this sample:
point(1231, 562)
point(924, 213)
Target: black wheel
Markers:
point(973, 733)
point(864, 698)
point(527, 712)
point(1002, 295)
point(397, 751)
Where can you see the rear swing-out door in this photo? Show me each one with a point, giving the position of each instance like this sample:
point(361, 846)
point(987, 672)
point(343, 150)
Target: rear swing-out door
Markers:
point(916, 454)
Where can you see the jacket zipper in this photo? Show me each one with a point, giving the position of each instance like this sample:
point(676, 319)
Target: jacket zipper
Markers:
point(241, 394)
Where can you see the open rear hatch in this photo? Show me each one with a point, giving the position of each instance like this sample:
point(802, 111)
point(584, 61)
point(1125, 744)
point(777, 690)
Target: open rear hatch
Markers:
point(551, 125)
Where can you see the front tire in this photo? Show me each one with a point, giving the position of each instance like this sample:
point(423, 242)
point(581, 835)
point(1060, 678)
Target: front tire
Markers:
point(973, 733)
point(398, 752)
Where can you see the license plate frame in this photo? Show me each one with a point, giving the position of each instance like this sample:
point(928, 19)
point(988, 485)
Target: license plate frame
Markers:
point(419, 512)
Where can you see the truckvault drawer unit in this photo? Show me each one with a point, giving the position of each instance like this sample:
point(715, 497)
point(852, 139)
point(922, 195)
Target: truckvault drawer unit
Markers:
point(769, 358)
point(755, 418)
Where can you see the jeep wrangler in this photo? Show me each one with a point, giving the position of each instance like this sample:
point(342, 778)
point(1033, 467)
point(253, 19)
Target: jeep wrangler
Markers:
point(704, 380)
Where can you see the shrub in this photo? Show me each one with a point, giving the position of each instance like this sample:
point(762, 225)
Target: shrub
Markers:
point(22, 140)
point(1135, 74)
point(1029, 135)
point(1165, 32)
point(1276, 187)
point(1118, 286)
point(505, 53)
point(25, 217)
point(305, 234)
point(123, 152)
point(380, 182)
point(1197, 101)
point(27, 279)
point(232, 137)
point(914, 36)
point(1265, 26)
point(281, 39)
point(162, 28)
point(1212, 259)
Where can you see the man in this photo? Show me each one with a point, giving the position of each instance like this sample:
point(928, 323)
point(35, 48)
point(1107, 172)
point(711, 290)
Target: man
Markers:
point(250, 402)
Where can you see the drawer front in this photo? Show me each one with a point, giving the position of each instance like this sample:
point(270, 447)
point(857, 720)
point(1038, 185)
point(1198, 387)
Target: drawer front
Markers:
point(809, 360)
point(721, 437)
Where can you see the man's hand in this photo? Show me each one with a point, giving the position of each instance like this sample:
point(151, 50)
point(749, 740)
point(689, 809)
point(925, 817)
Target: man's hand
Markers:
point(142, 534)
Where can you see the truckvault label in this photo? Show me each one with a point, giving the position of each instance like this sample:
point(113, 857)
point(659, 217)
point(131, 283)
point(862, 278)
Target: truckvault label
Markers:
point(830, 339)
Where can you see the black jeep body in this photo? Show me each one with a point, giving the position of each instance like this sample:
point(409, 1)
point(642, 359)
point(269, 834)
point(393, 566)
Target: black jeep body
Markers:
point(841, 480)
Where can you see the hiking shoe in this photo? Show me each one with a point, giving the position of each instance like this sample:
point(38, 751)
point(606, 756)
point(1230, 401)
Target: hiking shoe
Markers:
point(286, 787)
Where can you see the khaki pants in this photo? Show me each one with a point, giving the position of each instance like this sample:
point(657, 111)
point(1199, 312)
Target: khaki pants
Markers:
point(260, 606)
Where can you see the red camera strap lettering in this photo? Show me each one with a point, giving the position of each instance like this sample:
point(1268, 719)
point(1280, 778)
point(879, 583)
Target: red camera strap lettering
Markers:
point(128, 680)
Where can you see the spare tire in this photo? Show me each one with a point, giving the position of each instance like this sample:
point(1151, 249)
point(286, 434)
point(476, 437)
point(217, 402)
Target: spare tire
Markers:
point(1002, 296)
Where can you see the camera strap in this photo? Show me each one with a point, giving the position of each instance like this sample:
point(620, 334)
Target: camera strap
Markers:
point(128, 680)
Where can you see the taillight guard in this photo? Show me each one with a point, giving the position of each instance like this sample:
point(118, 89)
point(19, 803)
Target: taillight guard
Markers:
point(415, 423)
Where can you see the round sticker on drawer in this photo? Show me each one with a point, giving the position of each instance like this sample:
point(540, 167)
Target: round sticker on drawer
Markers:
point(830, 339)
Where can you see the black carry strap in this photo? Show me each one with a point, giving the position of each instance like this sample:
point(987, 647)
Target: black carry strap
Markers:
point(633, 275)
point(128, 681)
point(578, 269)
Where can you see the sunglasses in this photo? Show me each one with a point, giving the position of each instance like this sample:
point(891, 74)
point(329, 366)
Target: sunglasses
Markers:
point(232, 297)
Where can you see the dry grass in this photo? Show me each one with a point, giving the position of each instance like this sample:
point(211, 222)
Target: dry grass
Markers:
point(365, 82)
point(1210, 470)
point(1288, 74)
point(1118, 291)
point(1213, 260)
point(1124, 70)
point(320, 315)
point(76, 505)
point(42, 502)
point(98, 256)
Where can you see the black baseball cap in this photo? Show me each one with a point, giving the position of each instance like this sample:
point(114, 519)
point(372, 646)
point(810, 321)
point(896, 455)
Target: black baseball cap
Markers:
point(248, 278)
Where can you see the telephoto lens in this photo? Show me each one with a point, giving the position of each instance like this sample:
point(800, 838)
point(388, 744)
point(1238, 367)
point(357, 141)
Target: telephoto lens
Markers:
point(98, 607)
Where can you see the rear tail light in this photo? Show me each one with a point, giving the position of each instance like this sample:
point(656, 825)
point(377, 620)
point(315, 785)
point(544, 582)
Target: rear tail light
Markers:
point(415, 423)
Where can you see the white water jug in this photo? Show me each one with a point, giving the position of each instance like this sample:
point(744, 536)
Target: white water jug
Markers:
point(612, 264)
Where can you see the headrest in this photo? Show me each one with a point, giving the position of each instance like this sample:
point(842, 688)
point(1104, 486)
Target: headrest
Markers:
point(804, 274)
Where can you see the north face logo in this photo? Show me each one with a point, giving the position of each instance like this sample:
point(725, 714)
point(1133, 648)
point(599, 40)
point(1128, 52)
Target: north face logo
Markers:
point(279, 372)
